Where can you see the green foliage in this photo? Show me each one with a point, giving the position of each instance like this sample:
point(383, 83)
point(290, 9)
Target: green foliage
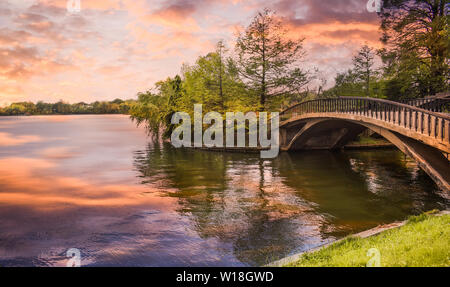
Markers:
point(416, 54)
point(61, 108)
point(155, 109)
point(214, 82)
point(267, 74)
point(149, 111)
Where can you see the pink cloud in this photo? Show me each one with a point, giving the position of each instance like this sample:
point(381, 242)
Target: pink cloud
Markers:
point(116, 48)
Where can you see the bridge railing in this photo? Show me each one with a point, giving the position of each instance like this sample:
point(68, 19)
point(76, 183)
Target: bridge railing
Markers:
point(426, 122)
point(439, 103)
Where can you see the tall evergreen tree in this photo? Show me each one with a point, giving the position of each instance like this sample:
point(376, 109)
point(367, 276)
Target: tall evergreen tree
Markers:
point(363, 64)
point(360, 80)
point(268, 60)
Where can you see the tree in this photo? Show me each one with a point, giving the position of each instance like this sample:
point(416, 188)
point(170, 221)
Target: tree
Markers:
point(15, 109)
point(61, 108)
point(155, 109)
point(80, 108)
point(347, 85)
point(43, 108)
point(124, 107)
point(416, 36)
point(214, 81)
point(149, 111)
point(361, 80)
point(268, 60)
point(171, 92)
point(363, 67)
point(220, 72)
point(117, 101)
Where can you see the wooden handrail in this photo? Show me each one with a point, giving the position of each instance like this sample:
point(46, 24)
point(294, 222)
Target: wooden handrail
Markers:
point(434, 103)
point(374, 100)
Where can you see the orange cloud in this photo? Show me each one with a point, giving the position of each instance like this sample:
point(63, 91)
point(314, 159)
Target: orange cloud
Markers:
point(336, 32)
point(114, 48)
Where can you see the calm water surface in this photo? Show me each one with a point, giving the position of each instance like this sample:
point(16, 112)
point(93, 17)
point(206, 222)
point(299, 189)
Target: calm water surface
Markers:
point(97, 183)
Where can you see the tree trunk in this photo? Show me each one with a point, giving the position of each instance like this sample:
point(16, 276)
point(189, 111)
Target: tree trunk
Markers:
point(263, 81)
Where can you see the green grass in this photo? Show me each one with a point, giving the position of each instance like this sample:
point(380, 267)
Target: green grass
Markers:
point(424, 241)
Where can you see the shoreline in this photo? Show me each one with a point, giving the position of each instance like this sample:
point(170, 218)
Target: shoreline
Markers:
point(362, 235)
point(257, 150)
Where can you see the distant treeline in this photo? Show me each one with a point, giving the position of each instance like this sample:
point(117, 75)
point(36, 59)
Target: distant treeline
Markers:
point(117, 106)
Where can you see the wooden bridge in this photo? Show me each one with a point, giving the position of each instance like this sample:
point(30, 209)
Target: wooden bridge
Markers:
point(419, 128)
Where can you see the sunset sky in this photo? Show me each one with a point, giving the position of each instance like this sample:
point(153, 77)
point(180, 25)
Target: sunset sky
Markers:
point(116, 48)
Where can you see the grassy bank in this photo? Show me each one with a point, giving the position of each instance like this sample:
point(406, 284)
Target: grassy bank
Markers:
point(423, 241)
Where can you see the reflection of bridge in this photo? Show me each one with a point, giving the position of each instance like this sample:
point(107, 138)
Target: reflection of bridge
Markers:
point(420, 129)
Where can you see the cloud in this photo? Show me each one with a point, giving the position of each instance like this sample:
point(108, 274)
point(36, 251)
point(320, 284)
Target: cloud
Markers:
point(116, 48)
point(310, 11)
point(19, 62)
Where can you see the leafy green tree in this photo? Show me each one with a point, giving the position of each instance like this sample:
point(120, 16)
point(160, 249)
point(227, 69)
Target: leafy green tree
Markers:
point(416, 36)
point(81, 108)
point(347, 84)
point(43, 108)
point(171, 92)
point(15, 109)
point(214, 81)
point(269, 61)
point(155, 110)
point(124, 108)
point(117, 101)
point(61, 108)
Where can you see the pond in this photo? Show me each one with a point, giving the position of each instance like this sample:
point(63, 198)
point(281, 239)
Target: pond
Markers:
point(99, 184)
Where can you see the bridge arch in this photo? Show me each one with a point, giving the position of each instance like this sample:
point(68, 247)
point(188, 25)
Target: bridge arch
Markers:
point(331, 123)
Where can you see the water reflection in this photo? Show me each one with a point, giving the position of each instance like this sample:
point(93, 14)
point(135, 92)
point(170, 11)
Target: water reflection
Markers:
point(95, 183)
point(266, 209)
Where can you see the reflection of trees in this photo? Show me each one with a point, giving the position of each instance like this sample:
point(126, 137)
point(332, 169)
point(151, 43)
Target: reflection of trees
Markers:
point(263, 208)
point(224, 195)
